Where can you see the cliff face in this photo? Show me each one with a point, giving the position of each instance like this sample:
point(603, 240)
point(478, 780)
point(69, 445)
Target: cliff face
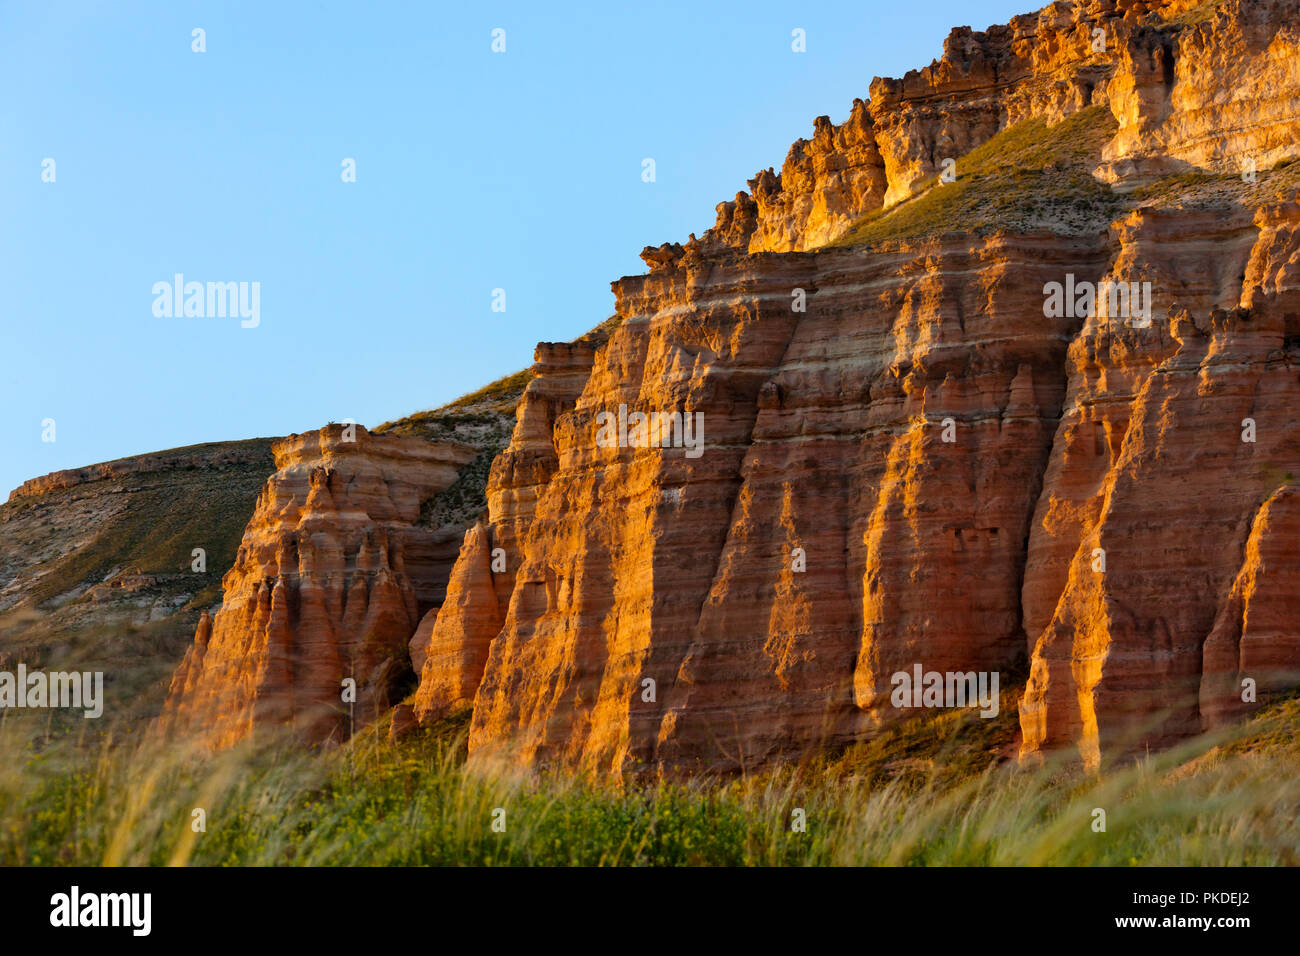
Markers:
point(1175, 457)
point(329, 583)
point(824, 447)
point(826, 534)
point(1194, 85)
point(1221, 94)
point(449, 650)
point(908, 458)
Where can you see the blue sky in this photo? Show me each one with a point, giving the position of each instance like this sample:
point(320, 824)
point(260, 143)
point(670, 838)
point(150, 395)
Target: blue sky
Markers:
point(474, 171)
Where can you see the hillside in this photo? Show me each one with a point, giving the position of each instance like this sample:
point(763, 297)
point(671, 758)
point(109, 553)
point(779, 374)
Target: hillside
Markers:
point(97, 565)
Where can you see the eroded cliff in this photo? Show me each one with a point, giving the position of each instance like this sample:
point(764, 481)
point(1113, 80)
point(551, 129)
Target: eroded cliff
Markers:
point(851, 432)
point(328, 585)
point(909, 458)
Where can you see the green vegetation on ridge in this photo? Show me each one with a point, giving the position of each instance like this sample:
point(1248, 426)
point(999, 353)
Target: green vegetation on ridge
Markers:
point(1030, 176)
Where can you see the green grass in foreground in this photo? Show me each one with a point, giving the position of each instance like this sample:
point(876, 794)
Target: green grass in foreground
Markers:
point(1221, 802)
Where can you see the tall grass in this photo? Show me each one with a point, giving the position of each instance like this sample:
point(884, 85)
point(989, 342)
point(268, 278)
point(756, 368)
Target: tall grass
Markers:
point(1222, 801)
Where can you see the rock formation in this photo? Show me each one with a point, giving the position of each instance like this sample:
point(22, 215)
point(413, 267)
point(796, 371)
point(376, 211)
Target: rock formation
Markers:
point(1167, 488)
point(908, 458)
point(799, 467)
point(450, 647)
point(1217, 93)
point(329, 583)
point(823, 432)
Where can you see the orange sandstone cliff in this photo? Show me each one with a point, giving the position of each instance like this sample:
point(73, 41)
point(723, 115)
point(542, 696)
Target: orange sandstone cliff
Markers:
point(899, 453)
point(329, 583)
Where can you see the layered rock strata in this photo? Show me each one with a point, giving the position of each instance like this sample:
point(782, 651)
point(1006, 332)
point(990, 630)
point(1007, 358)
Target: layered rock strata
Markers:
point(924, 465)
point(1157, 567)
point(918, 469)
point(329, 583)
point(450, 647)
point(794, 472)
point(1193, 85)
point(861, 501)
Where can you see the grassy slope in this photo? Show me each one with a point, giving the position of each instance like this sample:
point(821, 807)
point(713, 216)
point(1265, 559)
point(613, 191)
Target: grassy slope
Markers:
point(483, 419)
point(1033, 176)
point(1224, 801)
point(1030, 176)
point(440, 424)
point(170, 512)
point(149, 521)
point(1197, 14)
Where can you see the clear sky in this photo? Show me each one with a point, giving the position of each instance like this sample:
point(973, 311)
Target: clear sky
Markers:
point(475, 170)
